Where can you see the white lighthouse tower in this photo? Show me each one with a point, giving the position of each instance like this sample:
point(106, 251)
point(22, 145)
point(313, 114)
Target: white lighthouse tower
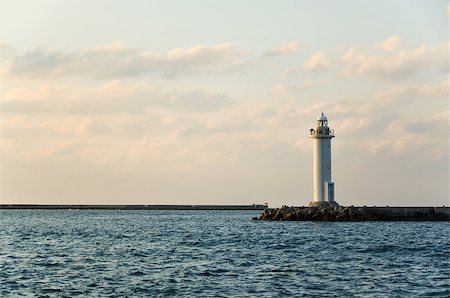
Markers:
point(323, 185)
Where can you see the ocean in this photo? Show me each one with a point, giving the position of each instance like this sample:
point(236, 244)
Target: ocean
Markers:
point(65, 253)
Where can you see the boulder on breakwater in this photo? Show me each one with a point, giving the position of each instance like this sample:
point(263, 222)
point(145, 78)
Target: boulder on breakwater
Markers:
point(334, 212)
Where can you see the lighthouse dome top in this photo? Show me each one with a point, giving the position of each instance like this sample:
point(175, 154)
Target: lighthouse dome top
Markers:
point(322, 117)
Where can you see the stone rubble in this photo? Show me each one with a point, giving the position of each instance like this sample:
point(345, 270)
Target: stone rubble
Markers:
point(333, 212)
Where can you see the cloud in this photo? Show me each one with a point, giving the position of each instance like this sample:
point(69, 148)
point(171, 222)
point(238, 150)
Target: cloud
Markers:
point(281, 88)
point(291, 71)
point(111, 98)
point(435, 88)
point(366, 118)
point(38, 62)
point(391, 44)
point(6, 52)
point(438, 122)
point(402, 136)
point(41, 100)
point(283, 49)
point(176, 136)
point(397, 64)
point(316, 63)
point(447, 10)
point(200, 100)
point(201, 57)
point(117, 60)
point(403, 93)
point(136, 130)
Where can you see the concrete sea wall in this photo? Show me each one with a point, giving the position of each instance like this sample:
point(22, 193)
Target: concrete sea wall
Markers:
point(132, 207)
point(352, 213)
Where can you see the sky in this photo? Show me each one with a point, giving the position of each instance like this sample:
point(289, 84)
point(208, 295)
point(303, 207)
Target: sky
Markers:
point(211, 102)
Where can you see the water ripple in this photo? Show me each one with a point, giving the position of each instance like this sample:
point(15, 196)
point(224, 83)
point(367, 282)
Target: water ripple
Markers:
point(220, 254)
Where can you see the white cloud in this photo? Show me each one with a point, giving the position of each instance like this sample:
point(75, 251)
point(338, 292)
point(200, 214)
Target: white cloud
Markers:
point(111, 98)
point(139, 129)
point(118, 60)
point(394, 65)
point(148, 133)
point(295, 88)
point(435, 88)
point(316, 63)
point(202, 55)
point(284, 49)
point(405, 136)
point(37, 62)
point(391, 44)
point(447, 10)
point(6, 52)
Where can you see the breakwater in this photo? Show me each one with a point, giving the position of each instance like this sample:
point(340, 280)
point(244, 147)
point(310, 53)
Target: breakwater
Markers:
point(352, 213)
point(133, 207)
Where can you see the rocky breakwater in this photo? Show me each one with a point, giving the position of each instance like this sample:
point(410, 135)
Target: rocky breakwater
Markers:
point(328, 212)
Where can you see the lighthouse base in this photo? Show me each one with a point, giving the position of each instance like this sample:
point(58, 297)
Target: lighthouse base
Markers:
point(322, 204)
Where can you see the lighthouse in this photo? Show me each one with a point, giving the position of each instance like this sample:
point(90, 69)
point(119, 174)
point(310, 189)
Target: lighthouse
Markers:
point(323, 186)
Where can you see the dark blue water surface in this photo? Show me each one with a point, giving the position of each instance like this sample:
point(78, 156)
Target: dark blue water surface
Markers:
point(217, 253)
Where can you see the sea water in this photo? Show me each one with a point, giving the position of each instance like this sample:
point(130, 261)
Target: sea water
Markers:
point(217, 254)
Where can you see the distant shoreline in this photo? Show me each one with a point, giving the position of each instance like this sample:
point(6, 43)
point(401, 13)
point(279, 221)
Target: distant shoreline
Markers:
point(130, 207)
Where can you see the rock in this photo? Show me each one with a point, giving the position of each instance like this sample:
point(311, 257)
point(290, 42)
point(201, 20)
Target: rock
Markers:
point(341, 217)
point(351, 214)
point(290, 216)
point(270, 214)
point(333, 212)
point(311, 211)
point(363, 217)
point(361, 211)
point(329, 208)
point(290, 210)
point(316, 216)
point(304, 211)
point(264, 215)
point(279, 215)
